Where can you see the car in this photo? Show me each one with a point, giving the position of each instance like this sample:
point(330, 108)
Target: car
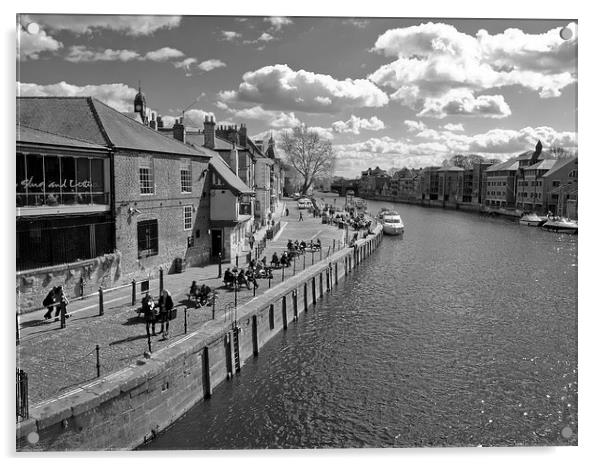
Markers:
point(304, 203)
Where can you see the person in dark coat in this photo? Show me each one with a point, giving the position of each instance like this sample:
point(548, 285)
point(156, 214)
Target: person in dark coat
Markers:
point(275, 260)
point(150, 314)
point(165, 307)
point(228, 277)
point(49, 302)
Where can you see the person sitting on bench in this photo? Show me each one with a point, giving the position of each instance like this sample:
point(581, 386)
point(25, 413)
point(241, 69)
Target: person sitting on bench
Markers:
point(275, 261)
point(228, 277)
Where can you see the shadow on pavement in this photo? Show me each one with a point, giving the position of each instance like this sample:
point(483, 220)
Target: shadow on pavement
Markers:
point(128, 339)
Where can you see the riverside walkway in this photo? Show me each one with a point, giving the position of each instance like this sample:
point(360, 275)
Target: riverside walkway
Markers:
point(58, 361)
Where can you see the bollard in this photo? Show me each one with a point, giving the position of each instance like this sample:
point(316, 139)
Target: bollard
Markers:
point(270, 281)
point(237, 260)
point(160, 280)
point(185, 321)
point(63, 309)
point(254, 286)
point(294, 264)
point(333, 245)
point(219, 265)
point(133, 292)
point(236, 293)
point(213, 308)
point(282, 272)
point(101, 309)
point(312, 257)
point(303, 261)
point(97, 361)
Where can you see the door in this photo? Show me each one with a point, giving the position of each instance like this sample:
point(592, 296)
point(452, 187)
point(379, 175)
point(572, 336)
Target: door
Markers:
point(216, 242)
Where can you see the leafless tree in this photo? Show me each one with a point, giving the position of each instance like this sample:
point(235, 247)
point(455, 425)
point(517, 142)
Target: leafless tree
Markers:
point(309, 155)
point(561, 152)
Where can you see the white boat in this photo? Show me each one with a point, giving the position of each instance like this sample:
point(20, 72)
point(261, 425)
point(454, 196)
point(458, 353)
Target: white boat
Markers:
point(561, 224)
point(391, 221)
point(533, 220)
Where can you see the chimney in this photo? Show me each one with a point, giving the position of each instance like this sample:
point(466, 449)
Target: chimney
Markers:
point(209, 131)
point(153, 122)
point(159, 122)
point(242, 135)
point(179, 132)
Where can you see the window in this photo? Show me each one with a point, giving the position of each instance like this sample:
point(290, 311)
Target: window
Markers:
point(573, 174)
point(187, 217)
point(555, 183)
point(186, 178)
point(148, 238)
point(147, 185)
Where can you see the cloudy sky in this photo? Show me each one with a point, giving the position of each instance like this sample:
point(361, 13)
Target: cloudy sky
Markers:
point(387, 92)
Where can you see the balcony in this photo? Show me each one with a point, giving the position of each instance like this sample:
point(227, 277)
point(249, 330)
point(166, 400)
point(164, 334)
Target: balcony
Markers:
point(61, 203)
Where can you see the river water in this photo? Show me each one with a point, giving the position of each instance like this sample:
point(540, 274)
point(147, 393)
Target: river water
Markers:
point(463, 332)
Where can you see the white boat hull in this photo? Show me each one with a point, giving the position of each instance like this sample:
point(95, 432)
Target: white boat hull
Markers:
point(392, 230)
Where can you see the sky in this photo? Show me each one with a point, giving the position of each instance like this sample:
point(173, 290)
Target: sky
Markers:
point(391, 92)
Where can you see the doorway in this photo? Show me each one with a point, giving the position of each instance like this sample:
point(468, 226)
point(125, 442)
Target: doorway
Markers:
point(216, 243)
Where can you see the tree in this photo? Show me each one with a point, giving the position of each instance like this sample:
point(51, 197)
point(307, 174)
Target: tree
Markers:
point(309, 155)
point(463, 161)
point(561, 153)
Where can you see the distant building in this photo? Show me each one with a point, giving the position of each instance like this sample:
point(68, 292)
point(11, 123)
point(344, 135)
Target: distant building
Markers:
point(450, 184)
point(500, 184)
point(430, 183)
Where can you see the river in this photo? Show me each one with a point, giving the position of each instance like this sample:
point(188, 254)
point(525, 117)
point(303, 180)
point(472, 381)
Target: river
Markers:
point(463, 332)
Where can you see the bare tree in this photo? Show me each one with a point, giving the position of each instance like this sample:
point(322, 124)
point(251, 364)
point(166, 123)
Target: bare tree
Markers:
point(561, 153)
point(310, 156)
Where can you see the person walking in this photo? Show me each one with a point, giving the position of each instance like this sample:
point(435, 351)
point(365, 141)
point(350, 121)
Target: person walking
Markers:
point(252, 241)
point(300, 216)
point(165, 307)
point(50, 301)
point(286, 211)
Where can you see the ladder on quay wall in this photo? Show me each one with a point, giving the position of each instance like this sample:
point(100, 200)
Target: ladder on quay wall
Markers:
point(235, 331)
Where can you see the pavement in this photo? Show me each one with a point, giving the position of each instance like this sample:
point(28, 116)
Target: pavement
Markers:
point(59, 360)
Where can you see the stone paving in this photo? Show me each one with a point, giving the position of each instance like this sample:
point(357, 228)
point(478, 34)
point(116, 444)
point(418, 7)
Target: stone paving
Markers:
point(58, 360)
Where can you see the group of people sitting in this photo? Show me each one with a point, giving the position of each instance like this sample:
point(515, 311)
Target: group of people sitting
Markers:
point(236, 277)
point(299, 247)
point(200, 294)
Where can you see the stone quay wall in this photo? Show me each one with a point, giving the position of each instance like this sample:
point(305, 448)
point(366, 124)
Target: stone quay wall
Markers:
point(127, 408)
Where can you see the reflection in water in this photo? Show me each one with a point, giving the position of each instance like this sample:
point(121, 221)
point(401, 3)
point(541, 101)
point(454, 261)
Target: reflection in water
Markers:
point(464, 332)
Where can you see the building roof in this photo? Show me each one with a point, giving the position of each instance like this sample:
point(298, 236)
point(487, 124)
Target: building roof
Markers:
point(451, 169)
point(224, 171)
point(35, 136)
point(88, 119)
point(558, 165)
point(133, 116)
point(508, 165)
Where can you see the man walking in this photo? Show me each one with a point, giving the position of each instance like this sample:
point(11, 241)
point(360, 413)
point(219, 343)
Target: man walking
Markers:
point(300, 216)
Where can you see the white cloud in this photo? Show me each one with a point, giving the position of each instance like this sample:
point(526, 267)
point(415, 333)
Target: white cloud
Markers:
point(81, 54)
point(185, 64)
point(414, 125)
point(454, 127)
point(230, 35)
point(463, 102)
point(29, 46)
point(280, 87)
point(436, 61)
point(117, 95)
point(212, 64)
point(265, 37)
point(164, 54)
point(355, 124)
point(273, 119)
point(324, 133)
point(133, 25)
point(277, 22)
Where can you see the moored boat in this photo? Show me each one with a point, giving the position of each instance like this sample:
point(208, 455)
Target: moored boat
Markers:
point(391, 221)
point(561, 224)
point(533, 220)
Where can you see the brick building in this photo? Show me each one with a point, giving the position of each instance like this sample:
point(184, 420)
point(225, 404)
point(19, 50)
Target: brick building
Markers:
point(156, 185)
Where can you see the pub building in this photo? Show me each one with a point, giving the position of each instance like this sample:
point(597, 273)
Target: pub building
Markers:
point(102, 198)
